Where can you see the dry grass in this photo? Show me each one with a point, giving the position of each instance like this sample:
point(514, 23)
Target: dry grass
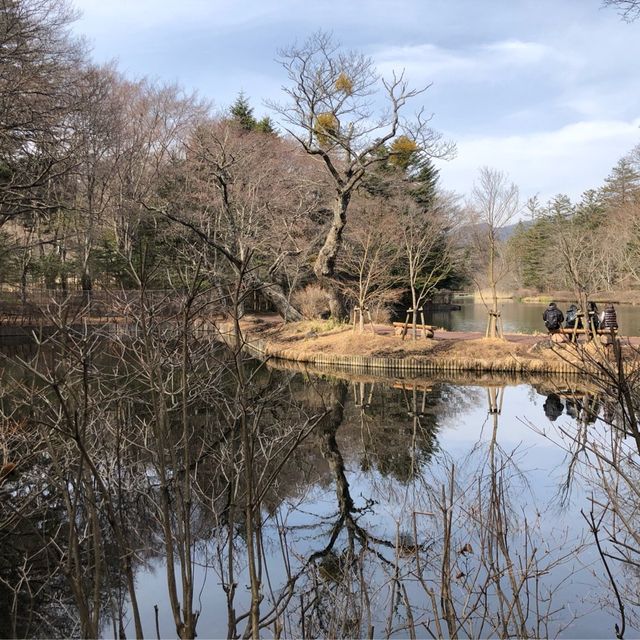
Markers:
point(326, 344)
point(316, 337)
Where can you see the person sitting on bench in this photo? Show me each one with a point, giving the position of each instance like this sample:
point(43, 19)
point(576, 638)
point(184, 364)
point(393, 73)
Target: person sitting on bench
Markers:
point(573, 320)
point(553, 318)
point(593, 316)
point(609, 319)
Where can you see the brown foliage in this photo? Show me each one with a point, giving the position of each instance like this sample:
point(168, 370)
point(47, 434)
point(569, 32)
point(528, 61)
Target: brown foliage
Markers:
point(312, 301)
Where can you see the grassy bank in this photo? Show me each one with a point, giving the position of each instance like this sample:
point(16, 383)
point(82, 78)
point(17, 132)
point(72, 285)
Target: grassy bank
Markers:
point(600, 297)
point(323, 344)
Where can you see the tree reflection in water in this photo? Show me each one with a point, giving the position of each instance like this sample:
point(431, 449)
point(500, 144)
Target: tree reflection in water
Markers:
point(325, 507)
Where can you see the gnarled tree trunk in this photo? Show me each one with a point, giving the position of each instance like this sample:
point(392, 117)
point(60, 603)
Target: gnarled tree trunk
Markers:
point(325, 264)
point(276, 296)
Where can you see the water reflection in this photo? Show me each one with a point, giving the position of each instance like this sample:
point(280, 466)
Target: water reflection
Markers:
point(230, 499)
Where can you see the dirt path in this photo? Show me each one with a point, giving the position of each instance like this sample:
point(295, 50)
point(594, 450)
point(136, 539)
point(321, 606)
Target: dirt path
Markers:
point(520, 338)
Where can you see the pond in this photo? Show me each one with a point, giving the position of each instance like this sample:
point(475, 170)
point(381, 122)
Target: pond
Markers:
point(385, 508)
point(521, 317)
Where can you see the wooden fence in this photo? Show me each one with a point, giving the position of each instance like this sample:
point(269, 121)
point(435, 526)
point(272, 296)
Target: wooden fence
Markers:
point(403, 367)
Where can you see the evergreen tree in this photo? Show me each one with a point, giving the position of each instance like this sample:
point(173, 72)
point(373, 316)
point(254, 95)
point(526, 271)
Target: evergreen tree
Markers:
point(529, 251)
point(242, 113)
point(265, 125)
point(622, 186)
point(560, 207)
point(424, 183)
point(534, 208)
point(590, 209)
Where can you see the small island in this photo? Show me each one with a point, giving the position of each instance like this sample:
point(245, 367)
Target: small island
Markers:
point(383, 351)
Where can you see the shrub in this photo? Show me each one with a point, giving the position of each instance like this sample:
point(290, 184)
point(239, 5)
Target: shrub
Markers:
point(312, 302)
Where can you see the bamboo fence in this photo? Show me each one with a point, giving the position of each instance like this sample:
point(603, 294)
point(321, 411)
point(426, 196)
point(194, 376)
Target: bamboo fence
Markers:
point(403, 367)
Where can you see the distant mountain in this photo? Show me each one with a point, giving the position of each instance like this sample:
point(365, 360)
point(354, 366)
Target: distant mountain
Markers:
point(503, 234)
point(506, 232)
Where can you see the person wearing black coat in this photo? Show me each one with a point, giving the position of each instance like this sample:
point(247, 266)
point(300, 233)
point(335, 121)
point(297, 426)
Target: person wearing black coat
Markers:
point(609, 319)
point(593, 316)
point(553, 317)
point(572, 318)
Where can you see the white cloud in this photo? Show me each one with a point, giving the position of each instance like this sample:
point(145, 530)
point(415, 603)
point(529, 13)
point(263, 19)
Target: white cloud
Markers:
point(577, 156)
point(428, 61)
point(147, 15)
point(519, 52)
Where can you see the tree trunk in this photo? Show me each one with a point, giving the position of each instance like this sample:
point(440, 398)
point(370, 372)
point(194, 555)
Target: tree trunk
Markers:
point(492, 323)
point(414, 312)
point(87, 286)
point(23, 283)
point(275, 295)
point(337, 304)
point(325, 264)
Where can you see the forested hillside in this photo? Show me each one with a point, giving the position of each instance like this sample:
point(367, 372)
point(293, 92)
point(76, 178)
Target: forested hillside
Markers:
point(113, 183)
point(585, 246)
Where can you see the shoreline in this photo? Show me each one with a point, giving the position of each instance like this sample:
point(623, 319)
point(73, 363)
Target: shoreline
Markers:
point(340, 348)
point(626, 298)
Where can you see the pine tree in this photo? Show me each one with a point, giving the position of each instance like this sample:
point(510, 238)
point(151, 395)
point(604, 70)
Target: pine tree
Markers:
point(590, 209)
point(242, 113)
point(265, 125)
point(529, 247)
point(534, 208)
point(622, 186)
point(560, 207)
point(425, 183)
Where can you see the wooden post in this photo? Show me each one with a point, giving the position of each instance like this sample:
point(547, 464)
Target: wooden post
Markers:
point(424, 328)
point(406, 323)
point(373, 329)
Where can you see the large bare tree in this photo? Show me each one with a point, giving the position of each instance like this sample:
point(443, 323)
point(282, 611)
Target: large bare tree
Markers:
point(246, 195)
point(330, 111)
point(38, 62)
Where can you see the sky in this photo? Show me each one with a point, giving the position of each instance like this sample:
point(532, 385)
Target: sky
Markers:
point(547, 91)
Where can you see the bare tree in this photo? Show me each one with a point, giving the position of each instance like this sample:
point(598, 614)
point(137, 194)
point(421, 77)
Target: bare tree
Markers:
point(628, 9)
point(234, 190)
point(428, 246)
point(581, 266)
point(370, 256)
point(330, 114)
point(38, 62)
point(91, 188)
point(494, 204)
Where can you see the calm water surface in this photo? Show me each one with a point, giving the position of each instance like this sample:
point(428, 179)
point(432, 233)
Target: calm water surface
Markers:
point(397, 480)
point(398, 446)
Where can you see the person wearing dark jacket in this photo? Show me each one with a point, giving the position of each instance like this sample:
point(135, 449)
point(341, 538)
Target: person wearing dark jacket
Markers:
point(593, 317)
point(553, 406)
point(552, 317)
point(572, 318)
point(609, 319)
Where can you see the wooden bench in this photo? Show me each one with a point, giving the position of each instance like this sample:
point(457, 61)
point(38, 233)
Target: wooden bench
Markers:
point(571, 333)
point(402, 329)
